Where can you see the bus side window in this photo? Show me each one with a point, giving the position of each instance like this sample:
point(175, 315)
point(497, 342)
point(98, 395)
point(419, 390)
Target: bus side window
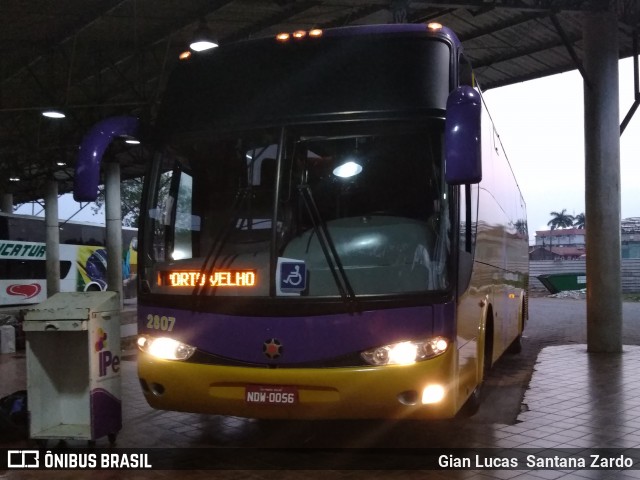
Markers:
point(159, 215)
point(465, 72)
point(466, 229)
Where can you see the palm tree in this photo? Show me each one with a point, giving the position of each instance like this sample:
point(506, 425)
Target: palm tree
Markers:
point(560, 220)
point(579, 220)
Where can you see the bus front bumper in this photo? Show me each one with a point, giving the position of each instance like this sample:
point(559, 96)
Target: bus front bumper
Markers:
point(409, 391)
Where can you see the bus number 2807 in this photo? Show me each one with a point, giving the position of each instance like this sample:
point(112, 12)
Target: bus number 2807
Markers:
point(157, 322)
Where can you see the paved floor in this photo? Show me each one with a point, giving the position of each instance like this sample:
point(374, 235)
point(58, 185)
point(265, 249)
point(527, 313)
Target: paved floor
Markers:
point(575, 404)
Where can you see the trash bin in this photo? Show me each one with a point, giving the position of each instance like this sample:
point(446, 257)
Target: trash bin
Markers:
point(73, 367)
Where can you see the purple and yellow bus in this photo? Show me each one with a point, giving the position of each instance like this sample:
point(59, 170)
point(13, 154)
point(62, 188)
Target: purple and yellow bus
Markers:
point(330, 229)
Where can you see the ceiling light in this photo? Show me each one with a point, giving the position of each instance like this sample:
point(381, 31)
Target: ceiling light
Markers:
point(202, 38)
point(53, 114)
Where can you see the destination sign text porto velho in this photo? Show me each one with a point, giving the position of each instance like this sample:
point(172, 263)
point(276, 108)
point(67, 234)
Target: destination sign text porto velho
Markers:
point(216, 278)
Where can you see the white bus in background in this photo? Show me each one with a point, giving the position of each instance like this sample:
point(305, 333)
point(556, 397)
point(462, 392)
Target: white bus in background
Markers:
point(83, 258)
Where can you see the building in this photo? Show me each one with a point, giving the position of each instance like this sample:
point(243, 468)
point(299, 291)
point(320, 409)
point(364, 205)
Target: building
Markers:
point(570, 243)
point(559, 244)
point(631, 237)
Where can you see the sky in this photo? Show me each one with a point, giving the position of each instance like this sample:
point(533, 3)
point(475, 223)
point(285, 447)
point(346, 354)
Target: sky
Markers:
point(540, 123)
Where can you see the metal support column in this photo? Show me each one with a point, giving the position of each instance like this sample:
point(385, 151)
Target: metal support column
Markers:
point(114, 227)
point(52, 237)
point(602, 182)
point(6, 202)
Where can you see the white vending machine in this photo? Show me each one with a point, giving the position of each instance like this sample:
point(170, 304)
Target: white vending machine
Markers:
point(73, 367)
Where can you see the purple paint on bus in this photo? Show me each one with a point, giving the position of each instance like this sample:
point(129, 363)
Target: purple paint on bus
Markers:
point(92, 148)
point(303, 339)
point(393, 28)
point(463, 158)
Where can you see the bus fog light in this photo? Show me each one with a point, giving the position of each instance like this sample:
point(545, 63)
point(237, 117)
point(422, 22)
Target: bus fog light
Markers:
point(406, 353)
point(165, 348)
point(432, 394)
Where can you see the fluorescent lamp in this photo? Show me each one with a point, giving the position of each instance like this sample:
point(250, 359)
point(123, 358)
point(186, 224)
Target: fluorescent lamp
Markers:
point(53, 114)
point(202, 38)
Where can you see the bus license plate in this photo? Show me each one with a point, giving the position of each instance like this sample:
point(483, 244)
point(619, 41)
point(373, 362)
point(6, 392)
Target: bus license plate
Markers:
point(271, 395)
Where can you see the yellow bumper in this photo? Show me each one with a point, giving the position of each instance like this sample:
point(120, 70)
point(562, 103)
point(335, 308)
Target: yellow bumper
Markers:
point(357, 392)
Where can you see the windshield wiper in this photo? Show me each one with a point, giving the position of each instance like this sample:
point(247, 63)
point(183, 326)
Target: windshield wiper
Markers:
point(328, 246)
point(219, 241)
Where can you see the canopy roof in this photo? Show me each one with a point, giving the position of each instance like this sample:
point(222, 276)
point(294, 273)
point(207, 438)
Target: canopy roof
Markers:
point(108, 57)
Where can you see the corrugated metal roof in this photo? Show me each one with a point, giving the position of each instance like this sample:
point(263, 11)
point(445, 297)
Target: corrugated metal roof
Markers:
point(104, 57)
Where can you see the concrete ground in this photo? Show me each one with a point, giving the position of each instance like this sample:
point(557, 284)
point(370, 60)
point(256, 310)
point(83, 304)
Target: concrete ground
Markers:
point(554, 400)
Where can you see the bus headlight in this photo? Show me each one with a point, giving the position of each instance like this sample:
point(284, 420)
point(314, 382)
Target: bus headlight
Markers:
point(165, 348)
point(406, 353)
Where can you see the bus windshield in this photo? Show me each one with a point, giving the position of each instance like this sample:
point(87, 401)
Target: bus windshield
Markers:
point(322, 210)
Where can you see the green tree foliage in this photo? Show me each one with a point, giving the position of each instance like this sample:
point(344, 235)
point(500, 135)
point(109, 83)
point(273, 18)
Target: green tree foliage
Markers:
point(560, 220)
point(579, 220)
point(130, 196)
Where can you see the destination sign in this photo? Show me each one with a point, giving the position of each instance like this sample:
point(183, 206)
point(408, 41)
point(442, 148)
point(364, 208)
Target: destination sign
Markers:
point(217, 278)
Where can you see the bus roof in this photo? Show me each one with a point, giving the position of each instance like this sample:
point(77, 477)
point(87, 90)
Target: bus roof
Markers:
point(343, 73)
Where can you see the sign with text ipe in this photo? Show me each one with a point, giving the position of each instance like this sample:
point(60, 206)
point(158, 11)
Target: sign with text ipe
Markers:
point(291, 276)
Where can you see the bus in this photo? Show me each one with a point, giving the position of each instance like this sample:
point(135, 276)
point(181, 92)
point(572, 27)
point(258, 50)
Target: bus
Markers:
point(331, 229)
point(83, 258)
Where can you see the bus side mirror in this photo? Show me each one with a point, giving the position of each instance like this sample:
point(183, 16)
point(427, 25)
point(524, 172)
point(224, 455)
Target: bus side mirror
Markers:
point(462, 153)
point(92, 148)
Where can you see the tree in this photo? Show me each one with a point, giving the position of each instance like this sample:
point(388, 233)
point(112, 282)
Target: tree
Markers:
point(521, 228)
point(130, 196)
point(579, 220)
point(560, 220)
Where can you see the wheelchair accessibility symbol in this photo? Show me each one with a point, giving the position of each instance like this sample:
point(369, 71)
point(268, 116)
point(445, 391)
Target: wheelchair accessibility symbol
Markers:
point(293, 276)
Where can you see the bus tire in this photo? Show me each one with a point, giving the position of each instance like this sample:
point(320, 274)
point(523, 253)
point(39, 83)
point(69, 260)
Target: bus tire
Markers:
point(516, 346)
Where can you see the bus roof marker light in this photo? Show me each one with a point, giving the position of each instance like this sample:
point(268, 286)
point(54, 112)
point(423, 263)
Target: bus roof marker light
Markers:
point(283, 37)
point(184, 55)
point(299, 34)
point(434, 26)
point(203, 38)
point(348, 169)
point(316, 32)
